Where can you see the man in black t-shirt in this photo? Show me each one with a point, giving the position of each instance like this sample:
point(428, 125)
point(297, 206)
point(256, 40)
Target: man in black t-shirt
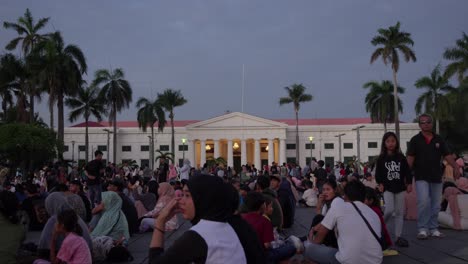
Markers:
point(94, 171)
point(163, 170)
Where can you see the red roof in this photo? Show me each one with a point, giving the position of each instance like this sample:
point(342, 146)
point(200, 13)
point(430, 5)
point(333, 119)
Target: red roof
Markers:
point(291, 122)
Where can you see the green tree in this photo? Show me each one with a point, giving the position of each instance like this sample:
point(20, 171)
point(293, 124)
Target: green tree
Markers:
point(379, 101)
point(169, 100)
point(149, 113)
point(29, 37)
point(8, 64)
point(390, 41)
point(165, 155)
point(296, 96)
point(118, 95)
point(459, 56)
point(86, 104)
point(434, 100)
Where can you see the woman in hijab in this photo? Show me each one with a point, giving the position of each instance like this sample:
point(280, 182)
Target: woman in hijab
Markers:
point(166, 194)
point(217, 236)
point(185, 170)
point(56, 203)
point(147, 201)
point(112, 221)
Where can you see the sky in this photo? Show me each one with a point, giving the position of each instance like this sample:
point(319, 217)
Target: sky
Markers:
point(200, 46)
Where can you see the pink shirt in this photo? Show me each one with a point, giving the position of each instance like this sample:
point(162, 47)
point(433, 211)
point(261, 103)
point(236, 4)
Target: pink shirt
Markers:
point(74, 250)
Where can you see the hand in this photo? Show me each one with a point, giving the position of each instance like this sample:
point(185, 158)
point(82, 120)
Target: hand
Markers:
point(409, 188)
point(321, 198)
point(381, 188)
point(169, 210)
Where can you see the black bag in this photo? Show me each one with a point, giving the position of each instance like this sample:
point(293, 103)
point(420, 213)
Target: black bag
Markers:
point(119, 254)
point(380, 239)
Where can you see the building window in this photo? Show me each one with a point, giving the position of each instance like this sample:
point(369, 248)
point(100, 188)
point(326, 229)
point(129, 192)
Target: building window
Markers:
point(144, 148)
point(329, 146)
point(307, 146)
point(144, 163)
point(65, 148)
point(102, 148)
point(371, 144)
point(290, 160)
point(183, 147)
point(347, 160)
point(348, 145)
point(164, 147)
point(330, 161)
point(290, 146)
point(81, 148)
point(126, 148)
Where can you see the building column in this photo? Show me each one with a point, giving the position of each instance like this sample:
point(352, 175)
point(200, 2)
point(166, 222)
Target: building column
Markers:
point(216, 149)
point(243, 152)
point(257, 161)
point(270, 151)
point(282, 151)
point(230, 159)
point(202, 152)
point(191, 152)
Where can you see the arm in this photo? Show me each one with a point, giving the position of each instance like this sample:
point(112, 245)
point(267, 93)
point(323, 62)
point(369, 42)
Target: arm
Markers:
point(408, 175)
point(98, 209)
point(410, 160)
point(320, 235)
point(456, 170)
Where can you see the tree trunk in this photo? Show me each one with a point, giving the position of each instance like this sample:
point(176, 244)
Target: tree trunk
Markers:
point(385, 126)
point(395, 102)
point(51, 105)
point(31, 108)
point(114, 139)
point(297, 137)
point(60, 124)
point(437, 126)
point(86, 142)
point(152, 148)
point(171, 115)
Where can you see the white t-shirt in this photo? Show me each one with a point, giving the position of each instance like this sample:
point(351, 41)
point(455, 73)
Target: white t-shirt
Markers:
point(310, 197)
point(355, 241)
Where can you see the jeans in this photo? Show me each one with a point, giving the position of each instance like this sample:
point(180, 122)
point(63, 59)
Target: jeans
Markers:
point(428, 198)
point(94, 192)
point(395, 203)
point(320, 253)
point(283, 252)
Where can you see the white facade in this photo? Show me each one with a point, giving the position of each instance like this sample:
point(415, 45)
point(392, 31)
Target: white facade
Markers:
point(240, 139)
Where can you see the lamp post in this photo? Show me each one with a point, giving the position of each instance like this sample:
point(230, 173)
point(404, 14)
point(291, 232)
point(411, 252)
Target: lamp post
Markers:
point(339, 145)
point(150, 154)
point(73, 152)
point(183, 148)
point(310, 145)
point(108, 139)
point(358, 141)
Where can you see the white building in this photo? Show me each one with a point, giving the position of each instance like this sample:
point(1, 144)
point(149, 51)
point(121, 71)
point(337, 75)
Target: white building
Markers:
point(240, 139)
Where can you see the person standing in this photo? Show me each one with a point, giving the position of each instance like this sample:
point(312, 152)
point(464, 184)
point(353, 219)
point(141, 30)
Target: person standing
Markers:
point(425, 153)
point(163, 170)
point(94, 170)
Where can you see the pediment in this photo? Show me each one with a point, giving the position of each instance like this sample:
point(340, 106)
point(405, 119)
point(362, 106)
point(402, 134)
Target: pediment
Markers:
point(236, 120)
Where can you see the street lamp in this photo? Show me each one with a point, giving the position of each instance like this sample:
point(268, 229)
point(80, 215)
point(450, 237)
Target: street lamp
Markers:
point(108, 138)
point(150, 154)
point(339, 145)
point(358, 141)
point(183, 148)
point(73, 152)
point(310, 145)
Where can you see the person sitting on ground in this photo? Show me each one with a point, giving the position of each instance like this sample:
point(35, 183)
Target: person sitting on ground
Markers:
point(146, 201)
point(77, 188)
point(128, 207)
point(166, 194)
point(309, 197)
point(372, 200)
point(456, 214)
point(209, 204)
point(73, 200)
point(34, 205)
point(256, 207)
point(11, 229)
point(108, 219)
point(74, 249)
point(369, 181)
point(351, 228)
point(263, 186)
point(56, 203)
point(285, 198)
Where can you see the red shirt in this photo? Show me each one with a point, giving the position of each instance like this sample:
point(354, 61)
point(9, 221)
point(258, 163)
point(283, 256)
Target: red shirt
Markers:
point(261, 225)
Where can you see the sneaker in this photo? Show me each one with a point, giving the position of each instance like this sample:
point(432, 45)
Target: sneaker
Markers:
point(401, 242)
point(390, 252)
point(422, 235)
point(297, 243)
point(437, 234)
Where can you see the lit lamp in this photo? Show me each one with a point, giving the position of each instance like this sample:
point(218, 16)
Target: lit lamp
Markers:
point(235, 146)
point(208, 147)
point(183, 148)
point(310, 145)
point(267, 148)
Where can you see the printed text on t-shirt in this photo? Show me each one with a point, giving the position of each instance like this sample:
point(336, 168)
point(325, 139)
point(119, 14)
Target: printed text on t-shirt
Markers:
point(393, 170)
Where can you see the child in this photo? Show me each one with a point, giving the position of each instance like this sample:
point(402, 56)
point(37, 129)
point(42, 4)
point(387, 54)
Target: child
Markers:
point(309, 198)
point(372, 201)
point(393, 177)
point(320, 175)
point(74, 248)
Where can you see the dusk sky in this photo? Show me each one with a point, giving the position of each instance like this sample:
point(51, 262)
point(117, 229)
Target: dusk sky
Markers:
point(199, 47)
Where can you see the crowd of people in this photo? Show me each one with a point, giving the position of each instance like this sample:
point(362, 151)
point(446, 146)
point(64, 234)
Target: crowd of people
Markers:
point(237, 217)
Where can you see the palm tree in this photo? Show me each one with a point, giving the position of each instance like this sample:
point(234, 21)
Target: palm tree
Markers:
point(62, 68)
point(28, 32)
point(117, 93)
point(296, 96)
point(434, 99)
point(86, 104)
point(148, 114)
point(391, 41)
point(165, 155)
point(169, 100)
point(379, 101)
point(459, 56)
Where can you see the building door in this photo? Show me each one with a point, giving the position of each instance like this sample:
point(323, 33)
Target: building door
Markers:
point(237, 163)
